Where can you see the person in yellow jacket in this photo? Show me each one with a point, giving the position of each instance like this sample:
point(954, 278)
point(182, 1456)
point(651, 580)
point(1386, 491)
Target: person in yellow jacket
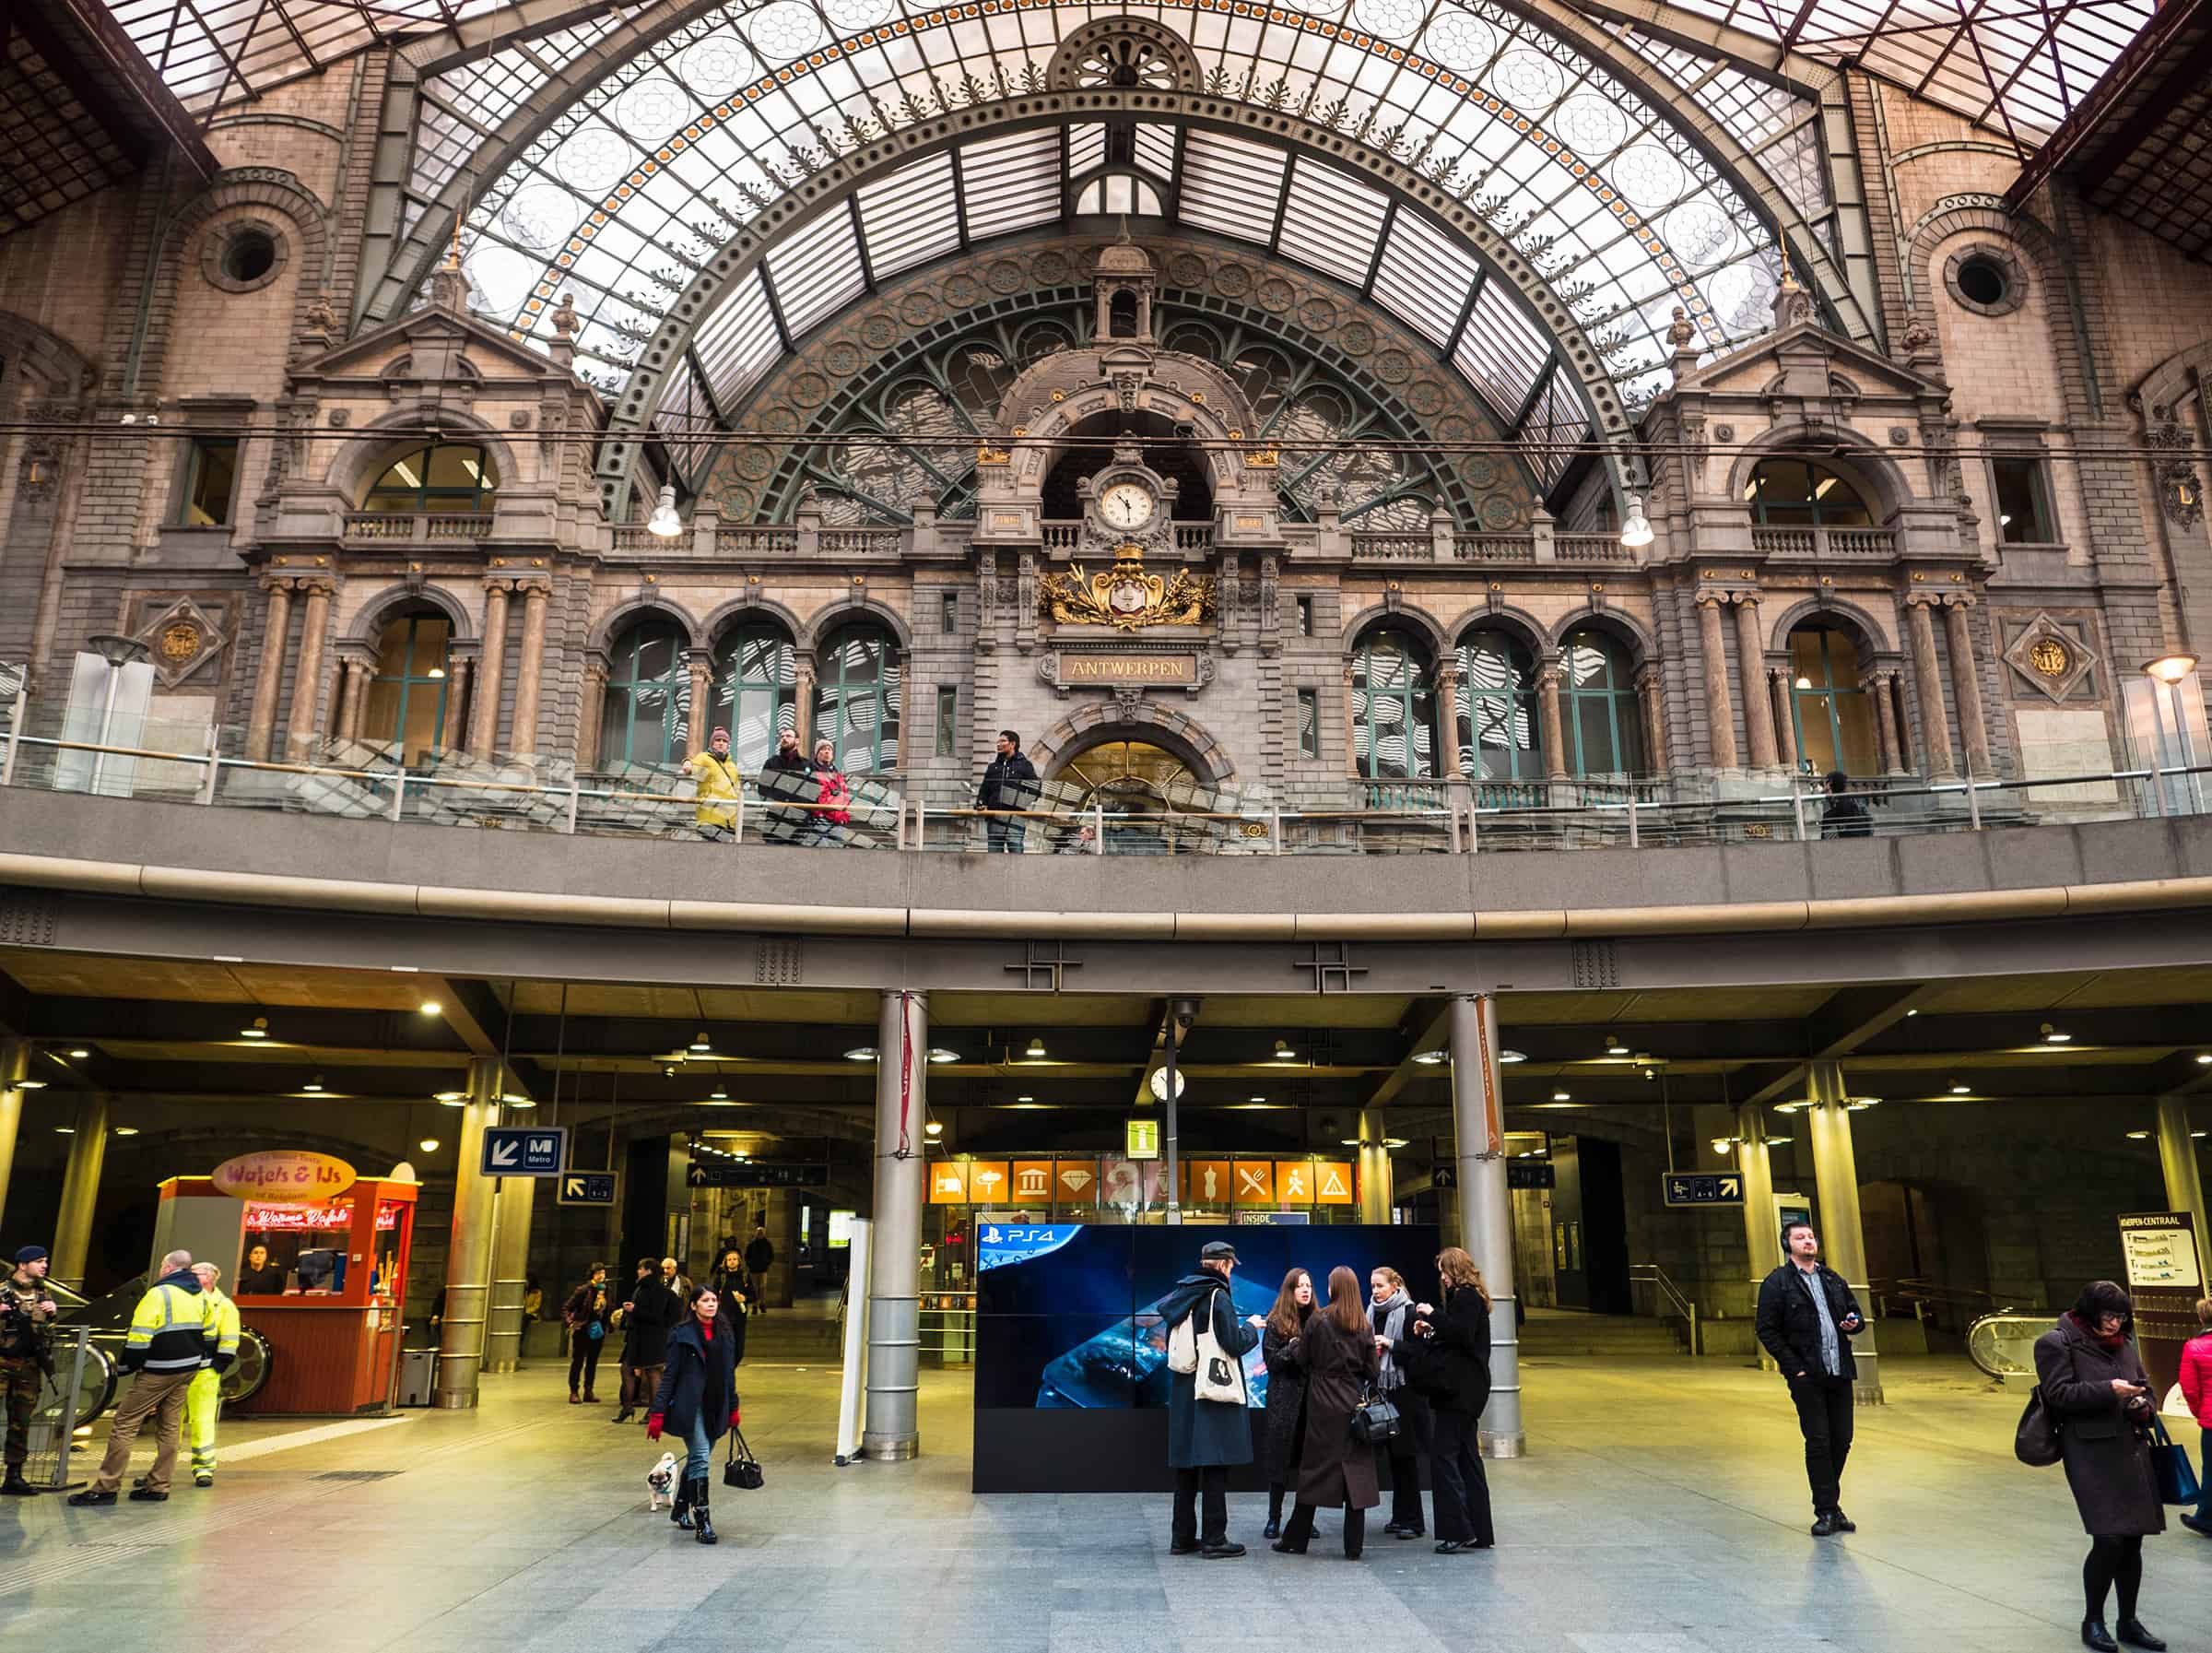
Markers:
point(719, 787)
point(172, 1336)
point(204, 1399)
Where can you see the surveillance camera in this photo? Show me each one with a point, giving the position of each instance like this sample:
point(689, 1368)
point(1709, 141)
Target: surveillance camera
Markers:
point(153, 419)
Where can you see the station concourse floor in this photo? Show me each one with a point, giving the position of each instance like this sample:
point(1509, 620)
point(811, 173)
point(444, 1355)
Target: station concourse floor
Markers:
point(1661, 1508)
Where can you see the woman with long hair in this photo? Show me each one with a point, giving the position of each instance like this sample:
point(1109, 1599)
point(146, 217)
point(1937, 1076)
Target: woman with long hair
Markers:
point(1286, 1390)
point(1390, 1317)
point(2100, 1397)
point(1337, 1355)
point(1460, 1389)
point(698, 1400)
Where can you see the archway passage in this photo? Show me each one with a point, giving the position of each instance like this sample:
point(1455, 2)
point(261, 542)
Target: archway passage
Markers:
point(1138, 785)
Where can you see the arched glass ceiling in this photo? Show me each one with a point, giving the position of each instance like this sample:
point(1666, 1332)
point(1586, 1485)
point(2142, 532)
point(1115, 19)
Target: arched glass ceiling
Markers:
point(626, 196)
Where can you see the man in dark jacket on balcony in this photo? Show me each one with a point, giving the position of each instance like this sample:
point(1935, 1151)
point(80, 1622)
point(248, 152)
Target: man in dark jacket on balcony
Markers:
point(1009, 782)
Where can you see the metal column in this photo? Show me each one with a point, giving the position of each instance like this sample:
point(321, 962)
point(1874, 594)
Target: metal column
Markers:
point(1763, 1239)
point(1486, 1220)
point(510, 1269)
point(468, 1253)
point(892, 1426)
point(1843, 1236)
point(2177, 1158)
point(1374, 1170)
point(14, 1061)
point(80, 1189)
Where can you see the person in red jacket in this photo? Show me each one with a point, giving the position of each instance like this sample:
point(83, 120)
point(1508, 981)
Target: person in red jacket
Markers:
point(833, 797)
point(2197, 1388)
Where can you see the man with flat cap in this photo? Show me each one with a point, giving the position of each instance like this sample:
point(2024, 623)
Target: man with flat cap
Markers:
point(27, 1310)
point(1207, 1431)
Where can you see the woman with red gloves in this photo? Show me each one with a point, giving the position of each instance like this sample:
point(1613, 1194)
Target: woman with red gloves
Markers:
point(697, 1401)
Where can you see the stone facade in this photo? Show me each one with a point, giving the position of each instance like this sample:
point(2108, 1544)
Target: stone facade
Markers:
point(126, 332)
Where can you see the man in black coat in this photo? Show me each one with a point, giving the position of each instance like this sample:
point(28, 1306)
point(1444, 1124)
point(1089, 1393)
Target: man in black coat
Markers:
point(786, 778)
point(650, 1312)
point(760, 1258)
point(1009, 782)
point(1807, 1317)
point(1205, 1436)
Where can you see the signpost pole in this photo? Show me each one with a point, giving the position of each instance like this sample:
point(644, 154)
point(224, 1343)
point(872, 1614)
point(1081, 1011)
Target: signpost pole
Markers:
point(468, 1253)
point(1174, 1174)
point(1485, 1224)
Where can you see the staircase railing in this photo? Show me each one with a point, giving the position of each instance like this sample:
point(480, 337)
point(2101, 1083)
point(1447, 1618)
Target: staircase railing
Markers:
point(1669, 1300)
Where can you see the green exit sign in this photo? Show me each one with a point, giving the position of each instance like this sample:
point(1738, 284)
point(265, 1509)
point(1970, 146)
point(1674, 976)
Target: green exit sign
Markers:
point(1143, 1138)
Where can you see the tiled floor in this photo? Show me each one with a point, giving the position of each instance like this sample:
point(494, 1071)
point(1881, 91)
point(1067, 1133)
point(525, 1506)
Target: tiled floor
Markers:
point(1660, 1510)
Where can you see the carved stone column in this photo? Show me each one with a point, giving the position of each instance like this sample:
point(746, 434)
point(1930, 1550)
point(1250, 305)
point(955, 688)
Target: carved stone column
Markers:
point(530, 663)
point(1548, 719)
point(484, 717)
point(1351, 727)
point(595, 669)
point(452, 733)
point(1228, 589)
point(1785, 726)
point(1651, 691)
point(1928, 684)
point(261, 722)
point(1751, 666)
point(1966, 683)
point(1880, 688)
point(1447, 715)
point(354, 672)
point(1025, 602)
point(803, 685)
point(1719, 716)
point(307, 679)
point(1271, 603)
point(701, 662)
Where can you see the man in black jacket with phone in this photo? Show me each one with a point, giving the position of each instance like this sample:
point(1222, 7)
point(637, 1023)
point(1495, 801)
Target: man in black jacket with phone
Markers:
point(1807, 1317)
point(1009, 782)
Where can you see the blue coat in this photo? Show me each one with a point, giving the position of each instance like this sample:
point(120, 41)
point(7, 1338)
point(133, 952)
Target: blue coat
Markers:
point(1204, 1433)
point(698, 1375)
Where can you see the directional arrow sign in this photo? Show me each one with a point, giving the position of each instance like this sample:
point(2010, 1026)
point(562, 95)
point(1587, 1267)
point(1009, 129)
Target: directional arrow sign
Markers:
point(586, 1187)
point(525, 1150)
point(1702, 1187)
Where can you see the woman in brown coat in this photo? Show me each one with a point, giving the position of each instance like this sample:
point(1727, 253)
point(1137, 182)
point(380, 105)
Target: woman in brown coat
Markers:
point(2099, 1396)
point(1336, 1352)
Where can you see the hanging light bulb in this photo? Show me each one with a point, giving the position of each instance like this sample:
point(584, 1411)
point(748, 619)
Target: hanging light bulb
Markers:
point(665, 521)
point(1636, 532)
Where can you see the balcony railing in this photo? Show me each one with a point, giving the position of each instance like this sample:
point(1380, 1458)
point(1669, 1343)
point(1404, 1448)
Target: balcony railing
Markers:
point(1392, 547)
point(1493, 547)
point(418, 527)
point(1824, 542)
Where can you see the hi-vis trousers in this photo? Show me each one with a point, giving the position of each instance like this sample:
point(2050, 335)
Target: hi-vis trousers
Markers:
point(202, 1404)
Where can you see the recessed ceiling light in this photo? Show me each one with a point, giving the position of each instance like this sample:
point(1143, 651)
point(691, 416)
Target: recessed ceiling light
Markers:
point(2196, 1133)
point(719, 1094)
point(1962, 1090)
point(65, 1130)
point(1349, 1141)
point(1393, 1142)
point(1560, 1096)
point(2053, 1036)
point(132, 1130)
point(517, 1101)
point(260, 1030)
point(1256, 1099)
point(934, 1128)
point(865, 1053)
point(313, 1084)
point(940, 1056)
point(2205, 1060)
point(700, 1041)
point(1024, 1099)
point(2138, 1135)
point(1860, 1104)
point(1772, 1141)
point(452, 1099)
point(1787, 1107)
point(1911, 1013)
point(80, 1053)
point(1035, 1050)
point(430, 1007)
point(1429, 1058)
point(1283, 1053)
point(1508, 1057)
point(428, 1145)
point(1612, 1044)
point(30, 1084)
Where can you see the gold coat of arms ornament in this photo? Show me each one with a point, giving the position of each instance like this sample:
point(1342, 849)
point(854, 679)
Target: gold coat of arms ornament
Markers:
point(1126, 596)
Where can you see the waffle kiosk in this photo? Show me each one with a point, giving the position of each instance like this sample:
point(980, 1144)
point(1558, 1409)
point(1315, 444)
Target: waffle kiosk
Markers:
point(316, 1260)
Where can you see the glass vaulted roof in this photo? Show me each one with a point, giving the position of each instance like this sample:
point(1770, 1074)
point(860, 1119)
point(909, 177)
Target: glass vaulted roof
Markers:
point(626, 196)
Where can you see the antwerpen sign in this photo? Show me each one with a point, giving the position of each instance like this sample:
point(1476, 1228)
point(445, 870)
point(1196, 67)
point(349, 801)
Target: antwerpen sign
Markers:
point(284, 1176)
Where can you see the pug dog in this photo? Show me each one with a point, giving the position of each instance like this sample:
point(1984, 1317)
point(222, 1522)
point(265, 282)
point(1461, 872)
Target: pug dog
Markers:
point(660, 1481)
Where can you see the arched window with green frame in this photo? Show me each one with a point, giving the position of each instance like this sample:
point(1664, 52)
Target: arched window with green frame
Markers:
point(1831, 715)
point(407, 693)
point(1597, 706)
point(1394, 707)
point(756, 691)
point(648, 697)
point(856, 693)
point(1500, 737)
point(456, 478)
point(1802, 493)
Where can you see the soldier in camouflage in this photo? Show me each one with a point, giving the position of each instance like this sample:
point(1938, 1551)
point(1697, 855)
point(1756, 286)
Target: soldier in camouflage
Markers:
point(26, 1357)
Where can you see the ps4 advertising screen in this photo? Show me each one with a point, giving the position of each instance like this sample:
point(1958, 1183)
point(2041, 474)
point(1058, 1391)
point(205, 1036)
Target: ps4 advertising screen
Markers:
point(1071, 1379)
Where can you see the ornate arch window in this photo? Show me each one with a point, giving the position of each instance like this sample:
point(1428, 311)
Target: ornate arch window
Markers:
point(648, 697)
point(1394, 707)
point(1831, 715)
point(1802, 493)
point(452, 477)
point(856, 697)
point(1597, 706)
point(756, 691)
point(1498, 734)
point(406, 695)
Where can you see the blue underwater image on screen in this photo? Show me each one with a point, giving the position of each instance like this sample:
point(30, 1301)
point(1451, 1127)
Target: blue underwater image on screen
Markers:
point(1072, 1319)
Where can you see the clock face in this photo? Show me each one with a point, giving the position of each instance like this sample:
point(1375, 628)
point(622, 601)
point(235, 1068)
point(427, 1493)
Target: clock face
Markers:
point(1126, 505)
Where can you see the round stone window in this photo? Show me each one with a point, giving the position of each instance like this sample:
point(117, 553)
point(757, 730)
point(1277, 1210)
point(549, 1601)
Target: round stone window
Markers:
point(243, 255)
point(1987, 281)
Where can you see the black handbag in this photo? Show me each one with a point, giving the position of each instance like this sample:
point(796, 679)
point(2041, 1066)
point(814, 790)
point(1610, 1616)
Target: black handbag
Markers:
point(2035, 1441)
point(742, 1470)
point(1375, 1420)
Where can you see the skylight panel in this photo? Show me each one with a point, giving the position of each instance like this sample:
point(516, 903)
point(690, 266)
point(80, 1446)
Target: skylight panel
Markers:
point(817, 270)
point(1331, 222)
point(1230, 186)
point(1501, 352)
point(911, 216)
point(1009, 183)
point(1156, 149)
point(1085, 148)
point(1424, 277)
point(737, 343)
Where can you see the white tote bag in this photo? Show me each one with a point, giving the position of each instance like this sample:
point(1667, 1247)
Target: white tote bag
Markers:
point(1218, 1377)
point(1183, 1344)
